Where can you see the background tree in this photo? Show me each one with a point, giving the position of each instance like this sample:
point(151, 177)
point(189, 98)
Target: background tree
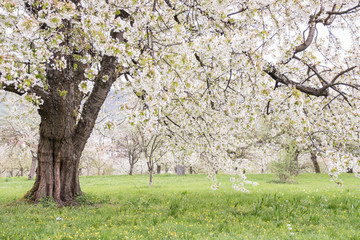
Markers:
point(19, 132)
point(152, 144)
point(131, 148)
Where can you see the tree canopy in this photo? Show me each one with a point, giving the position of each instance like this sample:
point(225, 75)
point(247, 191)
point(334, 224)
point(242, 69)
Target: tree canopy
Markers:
point(202, 73)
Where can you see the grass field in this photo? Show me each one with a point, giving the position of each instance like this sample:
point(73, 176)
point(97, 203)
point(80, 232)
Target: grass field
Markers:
point(184, 207)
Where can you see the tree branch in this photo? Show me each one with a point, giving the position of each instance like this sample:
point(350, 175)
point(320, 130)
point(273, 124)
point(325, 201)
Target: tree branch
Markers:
point(308, 40)
point(106, 77)
point(272, 72)
point(37, 90)
point(11, 88)
point(347, 11)
point(342, 73)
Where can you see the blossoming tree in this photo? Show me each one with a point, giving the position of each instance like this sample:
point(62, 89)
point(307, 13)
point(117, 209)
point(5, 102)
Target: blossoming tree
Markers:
point(206, 69)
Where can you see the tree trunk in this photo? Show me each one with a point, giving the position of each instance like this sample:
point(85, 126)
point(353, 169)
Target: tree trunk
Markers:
point(315, 162)
point(33, 167)
point(158, 169)
point(63, 134)
point(294, 164)
point(131, 169)
point(131, 162)
point(151, 178)
point(57, 173)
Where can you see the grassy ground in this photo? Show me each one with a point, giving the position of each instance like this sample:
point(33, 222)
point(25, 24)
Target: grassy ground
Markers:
point(124, 207)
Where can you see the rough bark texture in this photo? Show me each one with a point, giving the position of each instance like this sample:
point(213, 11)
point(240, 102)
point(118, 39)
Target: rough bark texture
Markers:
point(64, 130)
point(67, 115)
point(315, 162)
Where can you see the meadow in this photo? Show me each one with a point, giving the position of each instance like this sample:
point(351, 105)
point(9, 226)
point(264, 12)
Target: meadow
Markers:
point(185, 207)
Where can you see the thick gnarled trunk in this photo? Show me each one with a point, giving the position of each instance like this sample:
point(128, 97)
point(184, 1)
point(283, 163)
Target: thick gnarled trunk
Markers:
point(64, 131)
point(57, 173)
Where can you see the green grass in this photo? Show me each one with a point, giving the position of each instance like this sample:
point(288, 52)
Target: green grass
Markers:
point(184, 207)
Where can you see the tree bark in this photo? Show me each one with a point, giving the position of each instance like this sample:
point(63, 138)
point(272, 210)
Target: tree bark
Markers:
point(63, 134)
point(158, 169)
point(315, 162)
